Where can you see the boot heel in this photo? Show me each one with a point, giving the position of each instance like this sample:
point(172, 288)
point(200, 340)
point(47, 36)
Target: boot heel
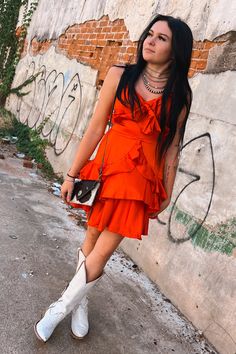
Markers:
point(76, 337)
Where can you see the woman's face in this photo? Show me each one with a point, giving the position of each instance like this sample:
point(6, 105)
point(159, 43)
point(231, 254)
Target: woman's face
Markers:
point(157, 46)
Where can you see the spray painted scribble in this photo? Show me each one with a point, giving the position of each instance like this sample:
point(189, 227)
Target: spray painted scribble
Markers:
point(55, 101)
point(191, 228)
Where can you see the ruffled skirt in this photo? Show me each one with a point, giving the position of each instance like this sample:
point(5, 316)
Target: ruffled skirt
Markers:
point(130, 189)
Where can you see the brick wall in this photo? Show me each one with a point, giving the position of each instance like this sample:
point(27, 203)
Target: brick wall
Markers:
point(200, 55)
point(103, 43)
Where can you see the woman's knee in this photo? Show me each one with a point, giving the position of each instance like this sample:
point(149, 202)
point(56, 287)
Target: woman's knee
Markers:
point(92, 233)
point(91, 237)
point(107, 244)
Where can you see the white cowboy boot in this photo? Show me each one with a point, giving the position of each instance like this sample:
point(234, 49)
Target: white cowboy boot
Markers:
point(81, 258)
point(70, 298)
point(79, 320)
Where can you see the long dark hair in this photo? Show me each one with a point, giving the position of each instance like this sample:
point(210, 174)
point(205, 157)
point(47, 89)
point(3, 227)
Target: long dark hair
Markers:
point(177, 85)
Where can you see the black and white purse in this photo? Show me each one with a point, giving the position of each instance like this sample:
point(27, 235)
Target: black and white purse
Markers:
point(85, 191)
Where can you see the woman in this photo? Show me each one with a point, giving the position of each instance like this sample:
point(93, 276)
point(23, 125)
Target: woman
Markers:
point(153, 100)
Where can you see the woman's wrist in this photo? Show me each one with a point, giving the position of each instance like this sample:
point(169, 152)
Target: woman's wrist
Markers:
point(70, 180)
point(70, 175)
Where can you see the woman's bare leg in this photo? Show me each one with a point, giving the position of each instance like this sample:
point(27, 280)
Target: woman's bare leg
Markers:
point(106, 244)
point(91, 237)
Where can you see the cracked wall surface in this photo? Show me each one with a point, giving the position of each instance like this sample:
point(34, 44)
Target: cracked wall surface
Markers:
point(191, 249)
point(208, 19)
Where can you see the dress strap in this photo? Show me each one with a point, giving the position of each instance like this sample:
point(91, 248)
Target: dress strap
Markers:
point(109, 124)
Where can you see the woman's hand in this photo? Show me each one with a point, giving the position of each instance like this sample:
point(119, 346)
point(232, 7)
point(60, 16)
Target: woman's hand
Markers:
point(67, 189)
point(153, 215)
point(163, 206)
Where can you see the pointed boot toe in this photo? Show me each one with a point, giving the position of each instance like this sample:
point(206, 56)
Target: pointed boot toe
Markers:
point(39, 334)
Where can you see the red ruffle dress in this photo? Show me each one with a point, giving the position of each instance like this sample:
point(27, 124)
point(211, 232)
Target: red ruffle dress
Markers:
point(132, 181)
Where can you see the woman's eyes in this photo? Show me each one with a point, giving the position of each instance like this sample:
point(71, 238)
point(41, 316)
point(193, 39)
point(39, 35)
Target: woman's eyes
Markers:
point(159, 37)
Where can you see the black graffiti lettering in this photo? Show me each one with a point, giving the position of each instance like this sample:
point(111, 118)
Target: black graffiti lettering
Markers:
point(195, 178)
point(50, 101)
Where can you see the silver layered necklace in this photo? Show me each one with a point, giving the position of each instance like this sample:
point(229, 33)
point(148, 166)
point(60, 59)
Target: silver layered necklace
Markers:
point(154, 83)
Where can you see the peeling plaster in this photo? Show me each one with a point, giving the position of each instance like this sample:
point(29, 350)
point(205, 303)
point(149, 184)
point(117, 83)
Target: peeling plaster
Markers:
point(207, 19)
point(222, 58)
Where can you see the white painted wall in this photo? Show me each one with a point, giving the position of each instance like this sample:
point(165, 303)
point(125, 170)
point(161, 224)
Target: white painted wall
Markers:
point(207, 19)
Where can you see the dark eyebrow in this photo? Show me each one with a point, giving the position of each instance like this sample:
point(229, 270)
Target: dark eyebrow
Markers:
point(163, 34)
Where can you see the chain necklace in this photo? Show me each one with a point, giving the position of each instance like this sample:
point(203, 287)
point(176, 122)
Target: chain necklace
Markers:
point(159, 85)
point(155, 78)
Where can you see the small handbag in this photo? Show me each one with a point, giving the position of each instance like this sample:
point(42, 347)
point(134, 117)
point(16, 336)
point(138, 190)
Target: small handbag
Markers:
point(85, 190)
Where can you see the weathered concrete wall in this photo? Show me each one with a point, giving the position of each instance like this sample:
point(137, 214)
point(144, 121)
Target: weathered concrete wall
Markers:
point(57, 101)
point(207, 19)
point(190, 251)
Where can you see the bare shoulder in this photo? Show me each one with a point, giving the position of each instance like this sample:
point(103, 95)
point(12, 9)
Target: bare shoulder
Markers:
point(114, 74)
point(117, 70)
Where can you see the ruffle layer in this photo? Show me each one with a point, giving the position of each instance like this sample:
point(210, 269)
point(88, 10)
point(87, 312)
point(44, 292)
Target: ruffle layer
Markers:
point(130, 177)
point(110, 212)
point(147, 119)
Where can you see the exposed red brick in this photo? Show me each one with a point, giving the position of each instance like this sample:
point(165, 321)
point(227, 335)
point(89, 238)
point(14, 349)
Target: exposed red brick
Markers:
point(84, 30)
point(191, 73)
point(19, 31)
point(193, 64)
point(106, 29)
point(101, 35)
point(208, 44)
point(204, 54)
point(120, 22)
point(196, 53)
point(109, 35)
point(198, 45)
point(104, 23)
point(101, 43)
point(27, 163)
point(131, 50)
point(117, 29)
point(200, 55)
point(201, 64)
point(118, 35)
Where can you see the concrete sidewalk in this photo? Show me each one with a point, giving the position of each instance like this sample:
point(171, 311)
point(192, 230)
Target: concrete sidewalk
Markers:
point(38, 257)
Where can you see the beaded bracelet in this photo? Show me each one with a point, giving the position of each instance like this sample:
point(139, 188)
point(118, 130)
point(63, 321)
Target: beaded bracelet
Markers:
point(70, 176)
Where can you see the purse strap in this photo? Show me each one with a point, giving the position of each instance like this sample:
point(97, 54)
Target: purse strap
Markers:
point(109, 124)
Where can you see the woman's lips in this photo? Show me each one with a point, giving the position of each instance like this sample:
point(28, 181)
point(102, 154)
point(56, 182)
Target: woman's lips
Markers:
point(149, 50)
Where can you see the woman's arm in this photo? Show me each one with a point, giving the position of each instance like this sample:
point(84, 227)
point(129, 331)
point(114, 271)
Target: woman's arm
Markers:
point(171, 162)
point(94, 131)
point(98, 121)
